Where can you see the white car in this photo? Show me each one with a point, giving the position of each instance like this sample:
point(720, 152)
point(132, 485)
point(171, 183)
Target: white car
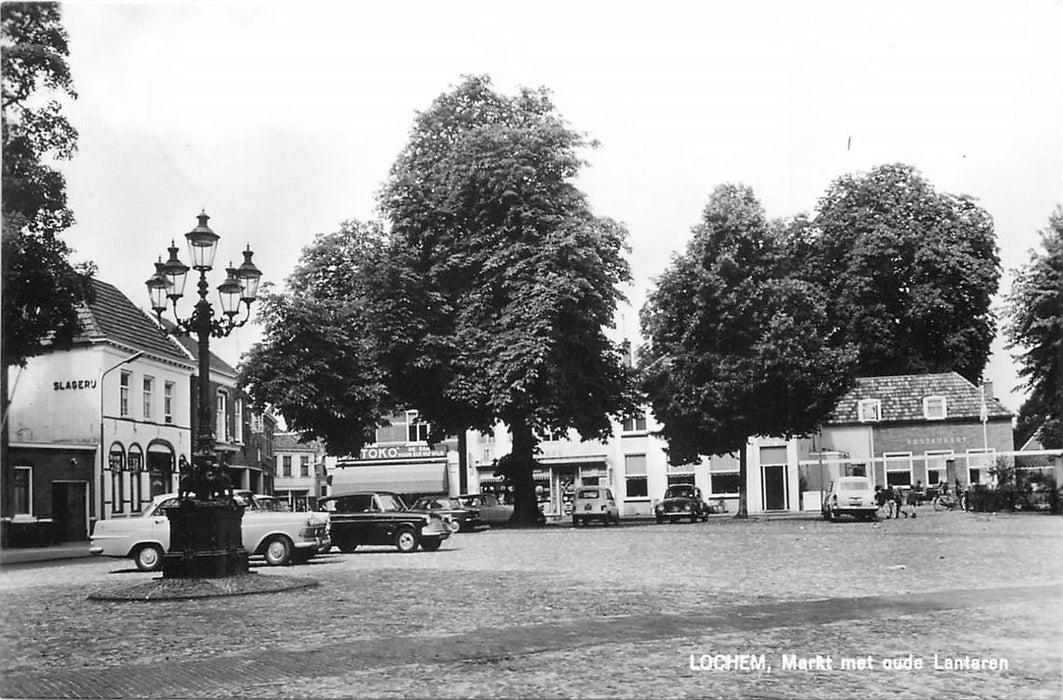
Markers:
point(850, 495)
point(281, 537)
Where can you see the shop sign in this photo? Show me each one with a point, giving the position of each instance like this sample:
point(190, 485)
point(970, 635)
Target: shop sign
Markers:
point(74, 384)
point(401, 452)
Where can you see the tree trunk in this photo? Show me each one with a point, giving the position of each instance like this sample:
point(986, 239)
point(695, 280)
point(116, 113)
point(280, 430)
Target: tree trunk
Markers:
point(520, 471)
point(743, 503)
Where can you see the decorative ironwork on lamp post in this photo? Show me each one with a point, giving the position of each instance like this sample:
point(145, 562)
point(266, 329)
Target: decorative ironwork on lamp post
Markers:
point(205, 535)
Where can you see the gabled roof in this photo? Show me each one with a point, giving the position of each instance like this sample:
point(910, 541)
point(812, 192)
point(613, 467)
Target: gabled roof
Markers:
point(113, 317)
point(191, 348)
point(902, 397)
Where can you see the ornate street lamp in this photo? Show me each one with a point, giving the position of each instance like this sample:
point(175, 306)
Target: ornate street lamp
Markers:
point(205, 534)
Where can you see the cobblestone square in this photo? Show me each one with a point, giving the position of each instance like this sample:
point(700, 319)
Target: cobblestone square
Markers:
point(764, 608)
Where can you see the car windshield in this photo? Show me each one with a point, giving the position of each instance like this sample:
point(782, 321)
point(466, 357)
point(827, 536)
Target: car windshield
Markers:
point(854, 486)
point(435, 504)
point(680, 491)
point(587, 493)
point(274, 505)
point(390, 502)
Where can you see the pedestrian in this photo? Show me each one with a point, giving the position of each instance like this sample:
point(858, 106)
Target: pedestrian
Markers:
point(898, 502)
point(913, 496)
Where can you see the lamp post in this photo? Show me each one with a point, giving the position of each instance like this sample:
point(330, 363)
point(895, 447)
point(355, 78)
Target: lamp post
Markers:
point(205, 534)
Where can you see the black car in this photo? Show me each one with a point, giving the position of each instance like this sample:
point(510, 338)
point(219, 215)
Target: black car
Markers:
point(381, 518)
point(681, 501)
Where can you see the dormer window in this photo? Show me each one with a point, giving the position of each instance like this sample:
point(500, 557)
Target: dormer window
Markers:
point(934, 408)
point(868, 410)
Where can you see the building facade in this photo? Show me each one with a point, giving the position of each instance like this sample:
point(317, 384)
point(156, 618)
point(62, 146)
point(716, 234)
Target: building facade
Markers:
point(299, 474)
point(98, 429)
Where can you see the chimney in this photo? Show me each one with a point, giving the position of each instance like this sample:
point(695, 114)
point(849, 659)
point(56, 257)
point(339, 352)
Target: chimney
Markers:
point(987, 386)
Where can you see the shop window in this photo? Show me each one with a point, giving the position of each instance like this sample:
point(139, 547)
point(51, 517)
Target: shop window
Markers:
point(636, 424)
point(304, 465)
point(724, 482)
point(149, 396)
point(869, 410)
point(417, 430)
point(635, 476)
point(286, 468)
point(680, 479)
point(22, 490)
point(898, 471)
point(934, 408)
point(937, 465)
point(124, 382)
point(167, 402)
point(116, 465)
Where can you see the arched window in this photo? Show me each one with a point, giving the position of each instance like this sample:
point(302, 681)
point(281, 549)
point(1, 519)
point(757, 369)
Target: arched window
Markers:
point(116, 465)
point(135, 464)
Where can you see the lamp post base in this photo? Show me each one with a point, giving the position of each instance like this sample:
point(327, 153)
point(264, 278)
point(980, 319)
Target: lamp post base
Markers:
point(206, 540)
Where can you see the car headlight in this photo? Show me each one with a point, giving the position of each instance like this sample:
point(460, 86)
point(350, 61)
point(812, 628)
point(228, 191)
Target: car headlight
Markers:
point(659, 508)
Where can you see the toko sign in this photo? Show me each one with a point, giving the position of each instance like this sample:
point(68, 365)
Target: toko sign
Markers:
point(401, 452)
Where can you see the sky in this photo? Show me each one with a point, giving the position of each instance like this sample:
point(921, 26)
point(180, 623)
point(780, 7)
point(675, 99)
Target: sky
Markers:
point(281, 119)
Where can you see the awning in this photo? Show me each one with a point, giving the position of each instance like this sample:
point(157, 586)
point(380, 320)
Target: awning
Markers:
point(400, 478)
point(487, 476)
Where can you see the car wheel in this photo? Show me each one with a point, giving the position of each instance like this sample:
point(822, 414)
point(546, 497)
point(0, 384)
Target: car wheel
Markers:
point(149, 557)
point(347, 547)
point(431, 544)
point(406, 540)
point(278, 550)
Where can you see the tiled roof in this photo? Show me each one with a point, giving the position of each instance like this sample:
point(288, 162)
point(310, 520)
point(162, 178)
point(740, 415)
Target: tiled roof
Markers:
point(902, 398)
point(111, 316)
point(191, 346)
point(289, 442)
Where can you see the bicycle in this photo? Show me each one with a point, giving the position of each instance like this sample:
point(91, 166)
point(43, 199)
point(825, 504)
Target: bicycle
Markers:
point(948, 501)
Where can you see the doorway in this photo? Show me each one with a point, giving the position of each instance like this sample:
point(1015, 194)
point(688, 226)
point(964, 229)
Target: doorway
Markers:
point(70, 513)
point(774, 487)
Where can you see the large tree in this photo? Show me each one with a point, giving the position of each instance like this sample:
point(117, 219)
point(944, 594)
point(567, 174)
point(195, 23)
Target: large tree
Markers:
point(738, 343)
point(910, 272)
point(317, 363)
point(500, 280)
point(1035, 327)
point(40, 289)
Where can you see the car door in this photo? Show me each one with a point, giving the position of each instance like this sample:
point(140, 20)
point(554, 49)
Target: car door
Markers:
point(159, 525)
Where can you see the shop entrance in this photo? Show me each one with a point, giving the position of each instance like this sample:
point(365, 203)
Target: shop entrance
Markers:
point(70, 510)
point(160, 469)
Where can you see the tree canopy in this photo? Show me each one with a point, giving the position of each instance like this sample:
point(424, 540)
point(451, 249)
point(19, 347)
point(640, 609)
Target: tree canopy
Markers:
point(41, 289)
point(317, 363)
point(1035, 327)
point(738, 344)
point(910, 272)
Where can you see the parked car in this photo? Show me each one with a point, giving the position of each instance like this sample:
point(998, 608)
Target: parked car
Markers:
point(595, 503)
point(281, 537)
point(491, 511)
point(681, 501)
point(381, 518)
point(850, 495)
point(454, 514)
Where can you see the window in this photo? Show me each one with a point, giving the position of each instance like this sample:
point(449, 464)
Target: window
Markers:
point(238, 420)
point(135, 464)
point(634, 425)
point(286, 469)
point(937, 465)
point(304, 465)
point(256, 423)
point(898, 469)
point(724, 482)
point(978, 462)
point(868, 410)
point(220, 417)
point(167, 402)
point(116, 464)
point(635, 476)
point(149, 396)
point(123, 393)
point(680, 479)
point(934, 408)
point(22, 488)
point(416, 429)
